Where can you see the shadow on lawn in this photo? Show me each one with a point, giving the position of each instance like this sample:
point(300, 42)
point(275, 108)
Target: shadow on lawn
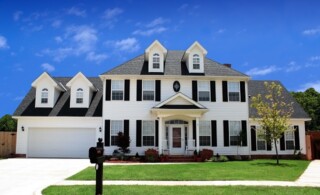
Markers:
point(273, 164)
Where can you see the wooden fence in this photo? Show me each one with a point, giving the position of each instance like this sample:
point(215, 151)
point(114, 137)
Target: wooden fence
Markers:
point(7, 144)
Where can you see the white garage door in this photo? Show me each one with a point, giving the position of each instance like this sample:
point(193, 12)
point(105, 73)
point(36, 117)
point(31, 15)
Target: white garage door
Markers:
point(61, 143)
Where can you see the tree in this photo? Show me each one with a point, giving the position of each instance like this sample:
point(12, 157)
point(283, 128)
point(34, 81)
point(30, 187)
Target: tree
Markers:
point(273, 114)
point(123, 142)
point(310, 102)
point(7, 123)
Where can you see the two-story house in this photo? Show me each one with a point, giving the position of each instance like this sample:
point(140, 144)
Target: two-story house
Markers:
point(173, 101)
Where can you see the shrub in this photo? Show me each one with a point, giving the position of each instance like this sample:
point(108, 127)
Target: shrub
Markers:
point(206, 154)
point(151, 155)
point(218, 158)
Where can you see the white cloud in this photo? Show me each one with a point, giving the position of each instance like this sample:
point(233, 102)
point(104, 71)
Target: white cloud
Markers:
point(58, 39)
point(111, 13)
point(292, 66)
point(77, 12)
point(262, 71)
point(315, 85)
point(313, 31)
point(84, 38)
point(3, 42)
point(47, 67)
point(220, 31)
point(156, 22)
point(315, 58)
point(17, 15)
point(92, 56)
point(56, 23)
point(129, 45)
point(183, 7)
point(148, 32)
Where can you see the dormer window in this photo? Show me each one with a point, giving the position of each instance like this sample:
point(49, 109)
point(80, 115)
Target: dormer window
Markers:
point(196, 61)
point(44, 96)
point(156, 61)
point(79, 96)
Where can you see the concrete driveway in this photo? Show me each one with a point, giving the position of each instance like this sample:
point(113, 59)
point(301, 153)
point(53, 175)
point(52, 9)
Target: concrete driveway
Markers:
point(26, 176)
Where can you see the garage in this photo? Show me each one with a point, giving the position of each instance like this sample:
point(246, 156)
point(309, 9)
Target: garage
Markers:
point(60, 142)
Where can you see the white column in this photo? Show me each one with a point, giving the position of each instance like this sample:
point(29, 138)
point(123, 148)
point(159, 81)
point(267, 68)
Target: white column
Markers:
point(197, 131)
point(160, 135)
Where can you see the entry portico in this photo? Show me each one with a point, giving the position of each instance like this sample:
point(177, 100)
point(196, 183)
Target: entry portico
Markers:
point(176, 117)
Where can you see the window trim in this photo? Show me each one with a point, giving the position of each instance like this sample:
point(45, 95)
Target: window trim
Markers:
point(156, 57)
point(286, 139)
point(196, 61)
point(154, 133)
point(114, 135)
point(112, 90)
point(154, 90)
point(210, 132)
point(44, 92)
point(230, 131)
point(79, 96)
point(209, 91)
point(239, 92)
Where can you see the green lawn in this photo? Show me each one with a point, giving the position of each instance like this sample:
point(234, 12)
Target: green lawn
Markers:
point(288, 170)
point(176, 190)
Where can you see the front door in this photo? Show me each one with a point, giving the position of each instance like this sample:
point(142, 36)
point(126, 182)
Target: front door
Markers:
point(177, 140)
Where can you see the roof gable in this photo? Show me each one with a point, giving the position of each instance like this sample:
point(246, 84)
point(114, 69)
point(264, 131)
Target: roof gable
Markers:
point(156, 44)
point(47, 77)
point(79, 75)
point(196, 44)
point(179, 100)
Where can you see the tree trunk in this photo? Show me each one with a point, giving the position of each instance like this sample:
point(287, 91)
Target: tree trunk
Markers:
point(277, 155)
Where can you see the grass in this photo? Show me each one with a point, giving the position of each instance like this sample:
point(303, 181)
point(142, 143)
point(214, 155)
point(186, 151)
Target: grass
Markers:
point(288, 170)
point(176, 190)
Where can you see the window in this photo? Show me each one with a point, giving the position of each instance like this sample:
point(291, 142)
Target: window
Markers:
point(115, 128)
point(234, 91)
point(117, 89)
point(156, 61)
point(79, 96)
point(205, 133)
point(196, 61)
point(261, 142)
point(204, 90)
point(289, 137)
point(148, 90)
point(148, 133)
point(44, 96)
point(234, 132)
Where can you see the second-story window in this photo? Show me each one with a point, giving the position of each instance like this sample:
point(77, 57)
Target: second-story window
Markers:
point(204, 90)
point(234, 91)
point(79, 96)
point(148, 90)
point(156, 61)
point(44, 96)
point(117, 89)
point(196, 61)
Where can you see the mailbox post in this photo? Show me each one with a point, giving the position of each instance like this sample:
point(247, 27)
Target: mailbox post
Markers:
point(96, 156)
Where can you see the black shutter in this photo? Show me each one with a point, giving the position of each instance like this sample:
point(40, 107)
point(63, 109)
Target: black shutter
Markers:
point(225, 91)
point(158, 90)
point(195, 91)
point(108, 90)
point(126, 128)
point(139, 90)
point(282, 143)
point(296, 138)
point(194, 131)
point(243, 91)
point(157, 133)
point(269, 147)
point(244, 138)
point(213, 91)
point(107, 132)
point(139, 131)
point(213, 133)
point(226, 133)
point(126, 90)
point(253, 138)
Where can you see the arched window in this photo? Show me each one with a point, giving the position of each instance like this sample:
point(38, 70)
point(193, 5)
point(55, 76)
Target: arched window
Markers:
point(196, 61)
point(79, 96)
point(156, 61)
point(44, 96)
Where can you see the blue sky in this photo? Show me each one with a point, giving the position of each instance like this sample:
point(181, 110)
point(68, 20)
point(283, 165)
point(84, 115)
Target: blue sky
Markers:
point(275, 40)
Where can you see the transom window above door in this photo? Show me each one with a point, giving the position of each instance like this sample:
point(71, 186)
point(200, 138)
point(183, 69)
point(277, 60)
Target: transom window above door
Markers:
point(148, 89)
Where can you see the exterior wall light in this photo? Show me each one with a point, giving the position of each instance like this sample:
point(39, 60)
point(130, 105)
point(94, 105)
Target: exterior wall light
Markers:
point(22, 128)
point(100, 129)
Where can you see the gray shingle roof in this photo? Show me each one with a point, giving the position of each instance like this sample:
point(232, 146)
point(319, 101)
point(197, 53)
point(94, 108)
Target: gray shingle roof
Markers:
point(62, 106)
point(256, 87)
point(173, 66)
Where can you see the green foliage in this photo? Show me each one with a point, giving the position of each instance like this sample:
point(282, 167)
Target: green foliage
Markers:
point(7, 123)
point(273, 114)
point(218, 159)
point(310, 102)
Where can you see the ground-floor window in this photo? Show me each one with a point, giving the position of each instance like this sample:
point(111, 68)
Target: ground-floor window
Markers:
point(261, 141)
point(234, 132)
point(148, 133)
point(116, 126)
point(289, 137)
point(205, 133)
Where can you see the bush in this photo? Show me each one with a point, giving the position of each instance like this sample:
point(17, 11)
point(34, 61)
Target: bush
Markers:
point(206, 154)
point(151, 155)
point(218, 158)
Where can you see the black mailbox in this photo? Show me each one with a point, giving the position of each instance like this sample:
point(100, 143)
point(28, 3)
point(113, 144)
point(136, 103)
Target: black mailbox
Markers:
point(95, 154)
